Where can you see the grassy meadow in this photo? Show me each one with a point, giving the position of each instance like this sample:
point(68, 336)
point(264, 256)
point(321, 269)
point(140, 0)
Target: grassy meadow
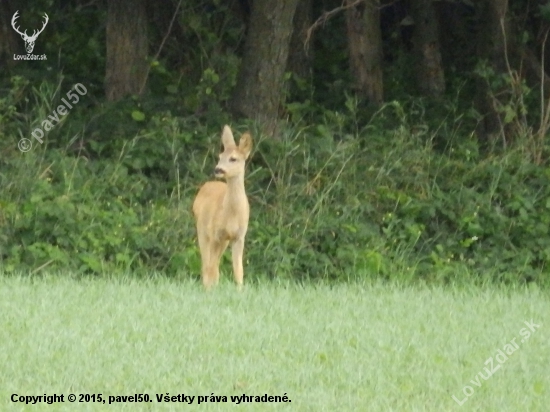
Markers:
point(347, 347)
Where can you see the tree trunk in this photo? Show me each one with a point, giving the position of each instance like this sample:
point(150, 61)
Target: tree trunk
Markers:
point(127, 44)
point(259, 89)
point(492, 47)
point(299, 61)
point(429, 69)
point(365, 49)
point(8, 37)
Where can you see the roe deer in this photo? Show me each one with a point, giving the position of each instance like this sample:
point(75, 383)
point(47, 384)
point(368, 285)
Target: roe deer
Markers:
point(221, 211)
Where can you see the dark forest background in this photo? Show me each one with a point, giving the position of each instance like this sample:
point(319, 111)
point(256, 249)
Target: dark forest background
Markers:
point(400, 139)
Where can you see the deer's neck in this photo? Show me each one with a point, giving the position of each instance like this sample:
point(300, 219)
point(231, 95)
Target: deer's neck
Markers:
point(235, 197)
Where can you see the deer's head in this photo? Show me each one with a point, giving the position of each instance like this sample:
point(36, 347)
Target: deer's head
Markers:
point(233, 157)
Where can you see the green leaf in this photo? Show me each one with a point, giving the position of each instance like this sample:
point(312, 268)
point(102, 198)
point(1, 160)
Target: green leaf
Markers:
point(138, 116)
point(509, 114)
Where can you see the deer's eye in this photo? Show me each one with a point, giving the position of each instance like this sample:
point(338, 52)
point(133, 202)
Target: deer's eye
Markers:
point(232, 159)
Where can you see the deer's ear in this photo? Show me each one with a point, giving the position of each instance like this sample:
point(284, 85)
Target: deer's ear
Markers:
point(245, 144)
point(227, 138)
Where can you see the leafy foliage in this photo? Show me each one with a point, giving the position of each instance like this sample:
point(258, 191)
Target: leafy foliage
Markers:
point(336, 200)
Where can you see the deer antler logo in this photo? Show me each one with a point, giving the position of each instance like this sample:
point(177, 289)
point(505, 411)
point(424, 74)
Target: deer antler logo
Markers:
point(29, 40)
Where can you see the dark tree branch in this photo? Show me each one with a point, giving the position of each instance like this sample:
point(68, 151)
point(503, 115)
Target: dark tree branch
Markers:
point(327, 15)
point(161, 46)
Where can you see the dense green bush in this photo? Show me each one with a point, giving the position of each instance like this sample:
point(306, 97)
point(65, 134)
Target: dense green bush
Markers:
point(342, 199)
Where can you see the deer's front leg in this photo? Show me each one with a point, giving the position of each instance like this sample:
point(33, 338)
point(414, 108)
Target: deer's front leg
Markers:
point(237, 256)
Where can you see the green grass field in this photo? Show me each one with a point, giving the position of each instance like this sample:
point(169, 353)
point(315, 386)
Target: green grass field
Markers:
point(328, 348)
